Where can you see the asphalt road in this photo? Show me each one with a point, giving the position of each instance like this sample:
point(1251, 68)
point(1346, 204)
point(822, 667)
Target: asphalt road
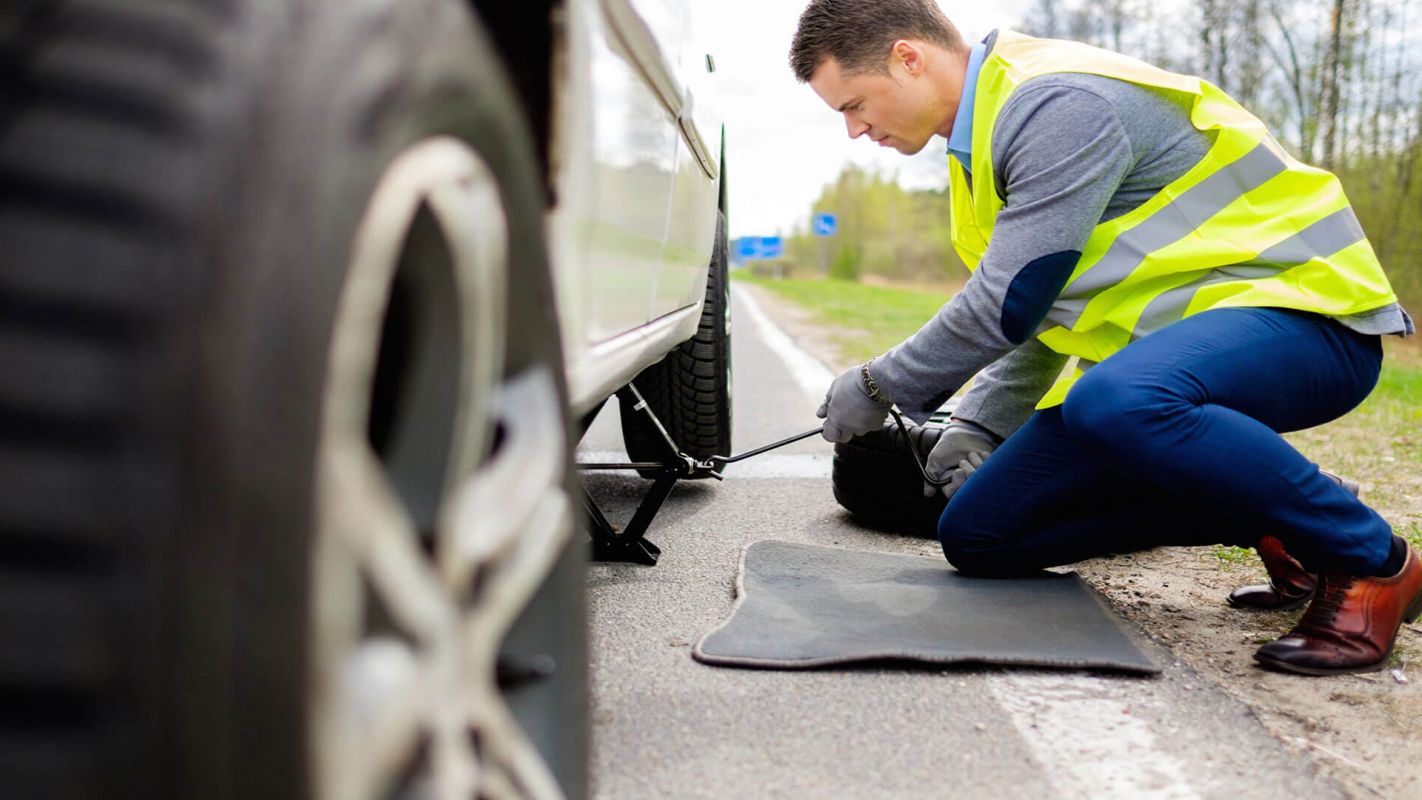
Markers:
point(665, 726)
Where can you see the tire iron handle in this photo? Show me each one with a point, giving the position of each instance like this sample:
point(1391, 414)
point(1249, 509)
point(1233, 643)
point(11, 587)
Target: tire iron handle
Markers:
point(711, 463)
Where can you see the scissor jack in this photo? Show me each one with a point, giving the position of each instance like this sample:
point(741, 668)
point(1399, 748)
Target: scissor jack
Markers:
point(631, 544)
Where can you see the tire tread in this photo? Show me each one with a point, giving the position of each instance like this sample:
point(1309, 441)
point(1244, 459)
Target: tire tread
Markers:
point(96, 98)
point(689, 389)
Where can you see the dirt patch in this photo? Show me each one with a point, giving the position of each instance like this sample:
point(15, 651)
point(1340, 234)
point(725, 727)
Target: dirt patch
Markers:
point(1363, 730)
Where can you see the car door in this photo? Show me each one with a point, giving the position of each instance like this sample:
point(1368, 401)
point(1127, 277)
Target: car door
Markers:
point(634, 140)
point(673, 69)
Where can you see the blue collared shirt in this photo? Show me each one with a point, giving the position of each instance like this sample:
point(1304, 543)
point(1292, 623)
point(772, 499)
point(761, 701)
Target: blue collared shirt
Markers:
point(960, 139)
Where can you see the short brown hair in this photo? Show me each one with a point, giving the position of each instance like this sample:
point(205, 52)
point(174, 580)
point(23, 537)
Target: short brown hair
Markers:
point(859, 33)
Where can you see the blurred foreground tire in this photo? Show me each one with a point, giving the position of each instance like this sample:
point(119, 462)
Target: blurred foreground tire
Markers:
point(690, 389)
point(875, 479)
point(284, 485)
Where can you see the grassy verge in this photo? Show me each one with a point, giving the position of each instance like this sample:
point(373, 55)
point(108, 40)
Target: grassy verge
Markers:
point(1378, 444)
point(861, 321)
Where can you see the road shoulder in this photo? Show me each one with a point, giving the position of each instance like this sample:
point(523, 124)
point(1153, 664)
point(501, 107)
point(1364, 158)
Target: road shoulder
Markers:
point(1365, 731)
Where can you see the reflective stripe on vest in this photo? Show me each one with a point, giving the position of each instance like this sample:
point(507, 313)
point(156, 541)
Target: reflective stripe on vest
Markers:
point(1246, 226)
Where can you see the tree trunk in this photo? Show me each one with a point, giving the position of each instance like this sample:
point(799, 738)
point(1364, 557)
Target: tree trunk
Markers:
point(1332, 91)
point(1251, 72)
point(1288, 61)
point(1207, 40)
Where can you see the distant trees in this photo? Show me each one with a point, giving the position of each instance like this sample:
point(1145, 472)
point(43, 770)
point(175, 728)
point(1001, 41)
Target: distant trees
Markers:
point(884, 230)
point(1338, 81)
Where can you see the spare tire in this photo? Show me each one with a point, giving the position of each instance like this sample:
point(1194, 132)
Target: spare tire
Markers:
point(876, 480)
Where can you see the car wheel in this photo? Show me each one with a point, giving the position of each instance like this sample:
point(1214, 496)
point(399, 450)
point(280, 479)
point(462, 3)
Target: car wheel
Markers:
point(690, 389)
point(875, 479)
point(284, 457)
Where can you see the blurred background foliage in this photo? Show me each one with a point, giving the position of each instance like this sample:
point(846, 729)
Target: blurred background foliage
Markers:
point(1339, 82)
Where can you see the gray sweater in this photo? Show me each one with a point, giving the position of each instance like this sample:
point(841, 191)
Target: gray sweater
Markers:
point(1069, 151)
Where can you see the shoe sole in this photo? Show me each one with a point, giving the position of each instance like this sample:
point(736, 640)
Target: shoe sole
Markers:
point(1289, 606)
point(1414, 610)
point(1299, 669)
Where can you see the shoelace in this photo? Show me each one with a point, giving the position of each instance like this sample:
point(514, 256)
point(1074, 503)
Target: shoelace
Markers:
point(1333, 588)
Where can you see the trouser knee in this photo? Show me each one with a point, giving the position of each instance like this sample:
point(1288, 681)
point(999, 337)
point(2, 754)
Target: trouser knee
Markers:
point(971, 549)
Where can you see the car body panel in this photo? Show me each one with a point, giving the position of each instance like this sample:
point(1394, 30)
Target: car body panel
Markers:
point(637, 191)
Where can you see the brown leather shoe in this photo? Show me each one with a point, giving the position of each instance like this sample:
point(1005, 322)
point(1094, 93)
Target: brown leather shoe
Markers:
point(1289, 586)
point(1351, 625)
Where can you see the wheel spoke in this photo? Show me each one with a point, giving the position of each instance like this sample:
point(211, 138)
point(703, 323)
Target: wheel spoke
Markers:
point(511, 508)
point(378, 717)
point(470, 211)
point(512, 765)
point(385, 538)
point(514, 549)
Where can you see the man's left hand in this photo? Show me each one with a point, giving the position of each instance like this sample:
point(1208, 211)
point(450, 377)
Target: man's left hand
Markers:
point(950, 458)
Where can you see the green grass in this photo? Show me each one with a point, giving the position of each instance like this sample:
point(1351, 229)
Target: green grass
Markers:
point(863, 321)
point(1235, 555)
point(1412, 533)
point(1395, 406)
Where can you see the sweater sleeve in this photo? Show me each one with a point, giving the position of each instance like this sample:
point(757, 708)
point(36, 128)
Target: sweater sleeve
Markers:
point(1059, 152)
point(1005, 394)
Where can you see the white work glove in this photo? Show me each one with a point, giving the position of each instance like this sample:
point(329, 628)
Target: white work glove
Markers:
point(848, 410)
point(957, 477)
point(959, 452)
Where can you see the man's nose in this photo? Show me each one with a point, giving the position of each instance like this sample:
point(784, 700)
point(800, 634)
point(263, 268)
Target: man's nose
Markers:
point(856, 127)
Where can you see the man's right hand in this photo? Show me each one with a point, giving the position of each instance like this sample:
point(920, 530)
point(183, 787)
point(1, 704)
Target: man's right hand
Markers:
point(848, 410)
point(951, 456)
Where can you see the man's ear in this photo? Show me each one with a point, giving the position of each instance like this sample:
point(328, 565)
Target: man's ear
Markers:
point(909, 55)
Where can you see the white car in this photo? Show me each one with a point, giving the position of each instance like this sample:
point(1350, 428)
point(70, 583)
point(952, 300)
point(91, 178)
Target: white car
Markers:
point(301, 304)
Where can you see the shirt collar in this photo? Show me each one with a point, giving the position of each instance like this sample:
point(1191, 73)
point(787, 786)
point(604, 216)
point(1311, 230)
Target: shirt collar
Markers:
point(960, 139)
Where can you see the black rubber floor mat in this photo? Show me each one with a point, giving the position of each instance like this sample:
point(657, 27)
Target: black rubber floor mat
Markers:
point(800, 606)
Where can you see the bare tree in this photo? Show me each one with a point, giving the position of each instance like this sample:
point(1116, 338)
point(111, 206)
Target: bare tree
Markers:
point(1252, 69)
point(1297, 79)
point(1332, 89)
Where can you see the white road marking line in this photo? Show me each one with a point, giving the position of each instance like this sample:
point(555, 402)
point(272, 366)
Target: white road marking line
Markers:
point(809, 374)
point(766, 466)
point(1087, 742)
point(789, 465)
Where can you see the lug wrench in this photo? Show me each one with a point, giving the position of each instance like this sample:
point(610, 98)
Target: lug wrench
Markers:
point(710, 465)
point(630, 545)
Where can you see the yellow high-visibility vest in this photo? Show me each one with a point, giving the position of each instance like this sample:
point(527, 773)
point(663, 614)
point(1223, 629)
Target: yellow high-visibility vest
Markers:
point(1247, 226)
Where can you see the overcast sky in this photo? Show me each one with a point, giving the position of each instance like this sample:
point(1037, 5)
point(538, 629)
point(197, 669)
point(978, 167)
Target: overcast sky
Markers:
point(783, 143)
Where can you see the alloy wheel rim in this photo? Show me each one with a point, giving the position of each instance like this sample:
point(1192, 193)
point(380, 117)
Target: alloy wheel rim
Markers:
point(441, 546)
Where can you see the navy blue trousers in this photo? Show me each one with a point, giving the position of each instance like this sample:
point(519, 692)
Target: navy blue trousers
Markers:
point(1175, 440)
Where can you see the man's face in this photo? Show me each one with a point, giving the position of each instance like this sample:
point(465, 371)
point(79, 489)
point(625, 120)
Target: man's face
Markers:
point(898, 110)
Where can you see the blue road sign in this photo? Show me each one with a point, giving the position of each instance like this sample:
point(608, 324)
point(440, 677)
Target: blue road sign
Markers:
point(826, 224)
point(751, 247)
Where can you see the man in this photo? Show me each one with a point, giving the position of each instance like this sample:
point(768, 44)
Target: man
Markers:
point(1213, 291)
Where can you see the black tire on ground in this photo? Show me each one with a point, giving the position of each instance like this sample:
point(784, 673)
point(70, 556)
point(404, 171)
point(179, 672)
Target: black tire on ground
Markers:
point(690, 389)
point(875, 479)
point(181, 181)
